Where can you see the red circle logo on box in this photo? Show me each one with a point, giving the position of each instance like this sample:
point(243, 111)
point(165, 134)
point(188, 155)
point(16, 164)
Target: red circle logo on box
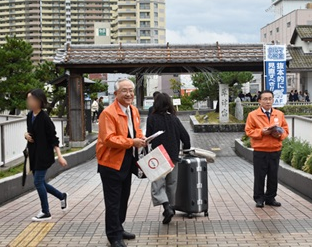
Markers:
point(153, 163)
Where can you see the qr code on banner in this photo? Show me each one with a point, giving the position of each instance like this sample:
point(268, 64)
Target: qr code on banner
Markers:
point(276, 53)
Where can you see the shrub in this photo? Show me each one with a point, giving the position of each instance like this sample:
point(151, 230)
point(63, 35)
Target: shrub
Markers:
point(186, 103)
point(287, 109)
point(288, 149)
point(246, 141)
point(301, 151)
point(308, 164)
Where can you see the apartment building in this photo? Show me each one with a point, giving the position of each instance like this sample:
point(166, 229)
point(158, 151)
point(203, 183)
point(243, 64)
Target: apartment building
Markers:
point(48, 24)
point(138, 21)
point(281, 30)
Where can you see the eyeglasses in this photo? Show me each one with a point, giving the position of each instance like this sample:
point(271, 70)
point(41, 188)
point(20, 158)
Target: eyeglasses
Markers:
point(267, 99)
point(125, 91)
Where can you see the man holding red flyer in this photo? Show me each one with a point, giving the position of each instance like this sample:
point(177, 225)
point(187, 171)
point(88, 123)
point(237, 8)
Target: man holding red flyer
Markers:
point(267, 128)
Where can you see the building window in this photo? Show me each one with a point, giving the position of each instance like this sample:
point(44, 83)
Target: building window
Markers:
point(156, 41)
point(156, 14)
point(144, 15)
point(277, 30)
point(155, 5)
point(271, 32)
point(288, 24)
point(156, 32)
point(144, 6)
point(144, 24)
point(155, 24)
point(145, 41)
point(145, 33)
point(264, 35)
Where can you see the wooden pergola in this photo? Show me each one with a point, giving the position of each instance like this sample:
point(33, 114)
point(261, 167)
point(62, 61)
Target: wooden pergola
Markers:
point(140, 59)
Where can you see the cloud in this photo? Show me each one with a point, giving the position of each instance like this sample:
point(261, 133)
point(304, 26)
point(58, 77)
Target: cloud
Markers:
point(219, 20)
point(195, 35)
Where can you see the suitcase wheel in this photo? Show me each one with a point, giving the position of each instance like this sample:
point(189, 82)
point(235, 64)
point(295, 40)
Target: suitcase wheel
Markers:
point(190, 215)
point(206, 214)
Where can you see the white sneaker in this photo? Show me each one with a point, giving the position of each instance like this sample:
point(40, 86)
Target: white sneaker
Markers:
point(42, 217)
point(64, 202)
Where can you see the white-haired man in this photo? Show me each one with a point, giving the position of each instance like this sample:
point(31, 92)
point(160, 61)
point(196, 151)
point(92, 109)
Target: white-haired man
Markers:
point(119, 137)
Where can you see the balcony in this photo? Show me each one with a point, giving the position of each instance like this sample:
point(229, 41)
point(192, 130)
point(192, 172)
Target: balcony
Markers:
point(127, 34)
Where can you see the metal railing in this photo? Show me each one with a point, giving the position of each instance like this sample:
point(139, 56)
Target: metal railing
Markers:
point(12, 129)
point(300, 127)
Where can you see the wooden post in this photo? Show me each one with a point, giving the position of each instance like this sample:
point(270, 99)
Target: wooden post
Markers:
point(139, 88)
point(76, 117)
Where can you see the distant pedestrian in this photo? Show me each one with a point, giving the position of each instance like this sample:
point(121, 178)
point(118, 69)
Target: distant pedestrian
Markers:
point(95, 110)
point(306, 96)
point(291, 96)
point(42, 142)
point(296, 96)
point(150, 110)
point(101, 106)
point(119, 138)
point(164, 118)
point(241, 95)
point(267, 144)
point(300, 97)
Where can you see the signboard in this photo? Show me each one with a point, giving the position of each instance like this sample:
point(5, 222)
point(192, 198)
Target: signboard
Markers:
point(102, 32)
point(176, 102)
point(275, 73)
point(224, 103)
point(148, 103)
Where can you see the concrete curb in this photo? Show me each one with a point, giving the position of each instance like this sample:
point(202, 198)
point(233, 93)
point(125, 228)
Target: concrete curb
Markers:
point(291, 177)
point(212, 128)
point(11, 187)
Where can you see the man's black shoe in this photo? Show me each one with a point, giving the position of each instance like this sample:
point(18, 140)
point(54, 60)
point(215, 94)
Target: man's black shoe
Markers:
point(273, 204)
point(259, 204)
point(118, 243)
point(169, 213)
point(127, 235)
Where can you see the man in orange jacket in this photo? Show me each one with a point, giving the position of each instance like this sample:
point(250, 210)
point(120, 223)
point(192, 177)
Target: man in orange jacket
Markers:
point(116, 150)
point(267, 128)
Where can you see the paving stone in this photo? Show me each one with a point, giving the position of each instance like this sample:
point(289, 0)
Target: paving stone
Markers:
point(233, 219)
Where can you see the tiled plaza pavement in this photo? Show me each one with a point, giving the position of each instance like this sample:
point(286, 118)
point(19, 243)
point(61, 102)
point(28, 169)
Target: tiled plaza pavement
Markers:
point(233, 219)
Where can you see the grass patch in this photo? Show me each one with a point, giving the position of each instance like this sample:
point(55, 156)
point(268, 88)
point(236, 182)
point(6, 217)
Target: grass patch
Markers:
point(12, 171)
point(213, 118)
point(72, 149)
point(18, 169)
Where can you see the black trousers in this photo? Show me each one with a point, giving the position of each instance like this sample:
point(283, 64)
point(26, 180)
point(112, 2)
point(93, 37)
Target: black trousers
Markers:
point(116, 188)
point(265, 166)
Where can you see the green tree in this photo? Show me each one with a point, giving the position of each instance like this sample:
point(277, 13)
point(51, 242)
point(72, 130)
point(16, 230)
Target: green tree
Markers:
point(45, 73)
point(175, 86)
point(93, 89)
point(207, 84)
point(16, 74)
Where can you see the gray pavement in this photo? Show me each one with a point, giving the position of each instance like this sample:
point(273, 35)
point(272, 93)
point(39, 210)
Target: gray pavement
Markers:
point(233, 219)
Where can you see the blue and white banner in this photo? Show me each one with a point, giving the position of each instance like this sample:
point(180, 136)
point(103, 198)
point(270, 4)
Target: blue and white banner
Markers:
point(275, 73)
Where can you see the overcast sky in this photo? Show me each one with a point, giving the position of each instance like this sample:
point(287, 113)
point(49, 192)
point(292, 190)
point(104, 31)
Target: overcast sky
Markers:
point(208, 21)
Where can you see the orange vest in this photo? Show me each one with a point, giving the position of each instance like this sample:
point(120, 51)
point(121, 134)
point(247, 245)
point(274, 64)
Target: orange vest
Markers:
point(256, 121)
point(113, 138)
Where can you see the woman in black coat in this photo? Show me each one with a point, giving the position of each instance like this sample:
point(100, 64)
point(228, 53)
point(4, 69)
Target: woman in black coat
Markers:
point(163, 118)
point(42, 142)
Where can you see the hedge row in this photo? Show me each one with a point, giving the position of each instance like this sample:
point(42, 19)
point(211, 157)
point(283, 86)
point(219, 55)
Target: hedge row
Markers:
point(298, 154)
point(287, 110)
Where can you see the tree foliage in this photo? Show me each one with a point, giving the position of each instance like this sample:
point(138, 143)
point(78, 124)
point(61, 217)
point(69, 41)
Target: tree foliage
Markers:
point(16, 74)
point(175, 86)
point(207, 84)
point(46, 72)
point(93, 89)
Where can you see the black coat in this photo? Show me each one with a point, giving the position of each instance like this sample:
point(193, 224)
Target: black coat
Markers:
point(174, 133)
point(41, 152)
